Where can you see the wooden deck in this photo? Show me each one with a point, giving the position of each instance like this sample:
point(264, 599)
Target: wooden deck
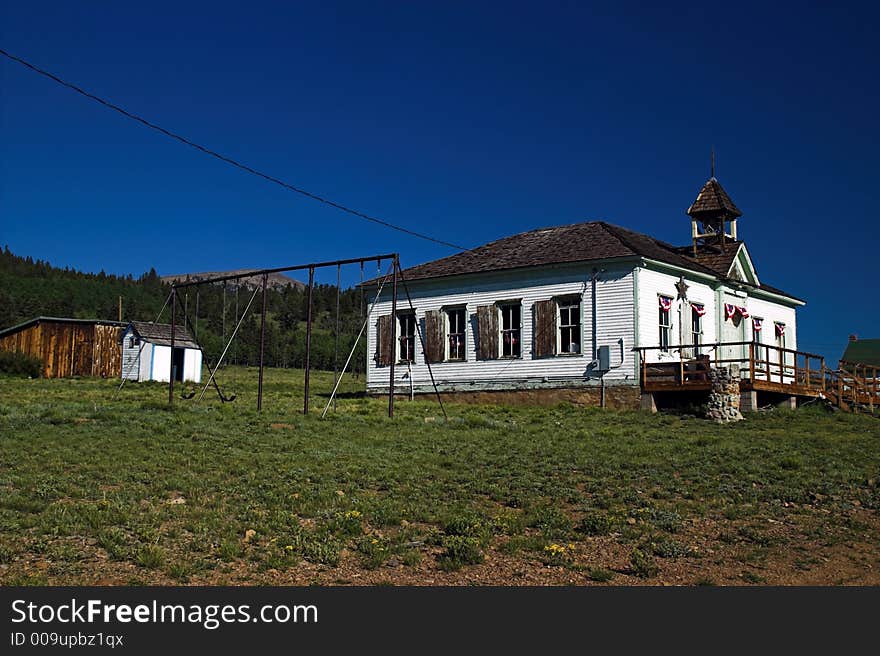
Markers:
point(762, 368)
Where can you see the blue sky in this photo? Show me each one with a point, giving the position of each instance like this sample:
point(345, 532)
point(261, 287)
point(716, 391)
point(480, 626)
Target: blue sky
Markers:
point(468, 121)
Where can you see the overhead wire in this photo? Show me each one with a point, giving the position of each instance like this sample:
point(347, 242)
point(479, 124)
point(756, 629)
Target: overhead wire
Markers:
point(224, 158)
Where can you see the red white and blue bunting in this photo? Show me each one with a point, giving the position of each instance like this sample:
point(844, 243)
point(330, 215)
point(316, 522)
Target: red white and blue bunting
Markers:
point(730, 310)
point(699, 309)
point(665, 302)
point(780, 328)
point(757, 324)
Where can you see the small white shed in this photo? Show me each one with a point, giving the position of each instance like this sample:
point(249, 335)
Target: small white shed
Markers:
point(147, 353)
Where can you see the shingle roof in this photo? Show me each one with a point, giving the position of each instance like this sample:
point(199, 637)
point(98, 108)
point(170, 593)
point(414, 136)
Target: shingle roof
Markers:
point(160, 333)
point(711, 256)
point(866, 351)
point(579, 242)
point(713, 200)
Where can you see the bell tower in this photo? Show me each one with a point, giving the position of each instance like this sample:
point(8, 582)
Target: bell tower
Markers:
point(713, 216)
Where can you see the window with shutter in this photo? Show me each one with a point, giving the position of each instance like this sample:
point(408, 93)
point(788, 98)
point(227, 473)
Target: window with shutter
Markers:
point(487, 327)
point(569, 325)
point(406, 337)
point(511, 329)
point(456, 322)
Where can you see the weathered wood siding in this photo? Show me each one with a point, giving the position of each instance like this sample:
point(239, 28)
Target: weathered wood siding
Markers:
point(107, 354)
point(614, 306)
point(69, 349)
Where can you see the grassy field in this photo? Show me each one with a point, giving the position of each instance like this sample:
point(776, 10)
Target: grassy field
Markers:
point(127, 491)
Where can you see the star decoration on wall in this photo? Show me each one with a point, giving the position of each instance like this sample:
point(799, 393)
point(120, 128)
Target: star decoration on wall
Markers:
point(682, 287)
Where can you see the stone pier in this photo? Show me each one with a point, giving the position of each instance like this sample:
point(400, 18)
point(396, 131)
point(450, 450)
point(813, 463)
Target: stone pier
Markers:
point(724, 399)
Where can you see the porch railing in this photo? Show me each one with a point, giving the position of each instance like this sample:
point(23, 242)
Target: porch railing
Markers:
point(679, 366)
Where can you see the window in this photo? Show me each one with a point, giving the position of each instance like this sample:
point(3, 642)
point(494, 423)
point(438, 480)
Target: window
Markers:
point(665, 322)
point(407, 341)
point(780, 333)
point(511, 324)
point(455, 330)
point(132, 341)
point(697, 312)
point(757, 326)
point(570, 325)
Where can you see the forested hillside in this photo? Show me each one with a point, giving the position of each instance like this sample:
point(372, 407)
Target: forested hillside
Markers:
point(31, 288)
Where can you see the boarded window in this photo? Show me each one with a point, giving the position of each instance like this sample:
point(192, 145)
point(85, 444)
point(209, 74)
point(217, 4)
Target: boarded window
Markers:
point(434, 336)
point(544, 333)
point(487, 329)
point(384, 347)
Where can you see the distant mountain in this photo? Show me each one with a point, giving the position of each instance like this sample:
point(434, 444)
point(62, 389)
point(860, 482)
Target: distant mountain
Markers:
point(277, 281)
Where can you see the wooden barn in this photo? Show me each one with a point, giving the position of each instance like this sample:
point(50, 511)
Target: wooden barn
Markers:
point(147, 353)
point(68, 347)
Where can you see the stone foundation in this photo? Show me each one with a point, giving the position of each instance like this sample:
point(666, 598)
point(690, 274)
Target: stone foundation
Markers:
point(617, 397)
point(724, 399)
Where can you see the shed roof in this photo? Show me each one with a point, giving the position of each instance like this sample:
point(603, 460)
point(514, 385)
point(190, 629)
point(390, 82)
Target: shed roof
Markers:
point(160, 333)
point(866, 351)
point(36, 320)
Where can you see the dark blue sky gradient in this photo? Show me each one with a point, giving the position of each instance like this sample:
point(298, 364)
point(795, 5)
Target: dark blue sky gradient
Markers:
point(469, 122)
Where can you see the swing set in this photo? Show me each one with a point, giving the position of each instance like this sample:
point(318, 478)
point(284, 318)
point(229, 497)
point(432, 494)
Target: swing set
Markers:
point(392, 275)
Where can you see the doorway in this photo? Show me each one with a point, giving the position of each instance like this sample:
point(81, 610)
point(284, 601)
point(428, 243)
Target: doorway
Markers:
point(177, 359)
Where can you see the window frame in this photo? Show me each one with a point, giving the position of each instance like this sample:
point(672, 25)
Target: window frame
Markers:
point(502, 306)
point(756, 334)
point(665, 329)
point(780, 337)
point(697, 331)
point(447, 312)
point(403, 337)
point(569, 303)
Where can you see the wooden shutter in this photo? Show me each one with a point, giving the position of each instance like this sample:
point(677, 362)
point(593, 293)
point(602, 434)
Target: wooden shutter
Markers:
point(384, 347)
point(487, 326)
point(544, 329)
point(435, 346)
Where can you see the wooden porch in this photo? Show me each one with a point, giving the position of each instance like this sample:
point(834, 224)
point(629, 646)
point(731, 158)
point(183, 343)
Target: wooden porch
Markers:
point(762, 368)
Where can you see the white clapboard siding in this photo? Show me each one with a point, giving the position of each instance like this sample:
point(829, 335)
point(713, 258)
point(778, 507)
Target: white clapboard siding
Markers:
point(652, 284)
point(130, 358)
point(614, 301)
point(148, 361)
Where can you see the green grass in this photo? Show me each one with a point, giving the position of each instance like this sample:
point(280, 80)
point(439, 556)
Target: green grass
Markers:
point(174, 492)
